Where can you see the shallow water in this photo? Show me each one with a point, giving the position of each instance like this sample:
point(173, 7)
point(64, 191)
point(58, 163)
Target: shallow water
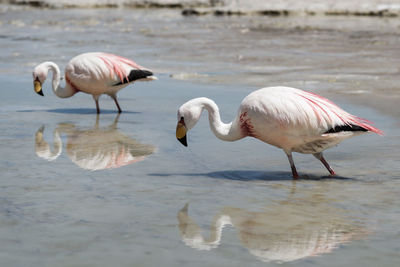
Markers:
point(82, 190)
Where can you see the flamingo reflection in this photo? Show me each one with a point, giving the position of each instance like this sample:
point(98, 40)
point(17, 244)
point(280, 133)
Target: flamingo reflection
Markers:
point(284, 232)
point(98, 148)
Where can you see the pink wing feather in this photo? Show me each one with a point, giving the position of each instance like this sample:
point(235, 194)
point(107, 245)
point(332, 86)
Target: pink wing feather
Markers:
point(322, 106)
point(115, 64)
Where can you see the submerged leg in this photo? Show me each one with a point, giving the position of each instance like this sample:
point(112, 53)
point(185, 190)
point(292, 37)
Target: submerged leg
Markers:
point(96, 100)
point(326, 164)
point(294, 171)
point(116, 103)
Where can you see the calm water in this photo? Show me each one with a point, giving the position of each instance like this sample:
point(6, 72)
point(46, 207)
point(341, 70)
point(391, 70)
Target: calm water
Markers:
point(82, 190)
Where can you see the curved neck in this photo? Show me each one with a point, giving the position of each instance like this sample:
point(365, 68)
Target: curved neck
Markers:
point(59, 91)
point(216, 228)
point(42, 148)
point(191, 232)
point(224, 131)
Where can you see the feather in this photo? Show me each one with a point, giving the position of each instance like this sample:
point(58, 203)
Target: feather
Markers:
point(135, 75)
point(340, 120)
point(117, 65)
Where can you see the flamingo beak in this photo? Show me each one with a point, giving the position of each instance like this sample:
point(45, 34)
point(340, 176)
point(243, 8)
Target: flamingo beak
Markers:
point(181, 133)
point(38, 87)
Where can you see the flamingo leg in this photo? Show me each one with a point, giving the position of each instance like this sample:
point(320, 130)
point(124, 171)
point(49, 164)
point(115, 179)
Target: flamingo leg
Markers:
point(97, 106)
point(96, 100)
point(294, 171)
point(116, 103)
point(326, 164)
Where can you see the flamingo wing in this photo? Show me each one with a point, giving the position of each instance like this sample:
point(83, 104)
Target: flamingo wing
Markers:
point(336, 119)
point(93, 72)
point(124, 70)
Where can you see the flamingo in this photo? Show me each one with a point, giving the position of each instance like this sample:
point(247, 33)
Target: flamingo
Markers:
point(288, 118)
point(94, 73)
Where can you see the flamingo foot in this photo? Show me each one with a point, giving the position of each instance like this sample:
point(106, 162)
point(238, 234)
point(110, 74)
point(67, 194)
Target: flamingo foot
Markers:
point(332, 172)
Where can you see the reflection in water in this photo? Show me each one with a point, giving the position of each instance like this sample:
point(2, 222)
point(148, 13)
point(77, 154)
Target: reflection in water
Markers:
point(293, 229)
point(94, 149)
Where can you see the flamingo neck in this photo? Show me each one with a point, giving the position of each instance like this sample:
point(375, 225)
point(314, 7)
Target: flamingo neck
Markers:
point(224, 131)
point(43, 149)
point(192, 233)
point(216, 229)
point(58, 90)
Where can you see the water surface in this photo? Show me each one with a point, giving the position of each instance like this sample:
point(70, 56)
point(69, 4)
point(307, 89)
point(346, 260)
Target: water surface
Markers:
point(82, 190)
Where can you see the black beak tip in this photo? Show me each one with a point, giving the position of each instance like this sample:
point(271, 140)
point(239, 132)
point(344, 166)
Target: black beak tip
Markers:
point(40, 93)
point(183, 141)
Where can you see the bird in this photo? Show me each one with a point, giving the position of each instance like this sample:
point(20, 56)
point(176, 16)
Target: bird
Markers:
point(94, 73)
point(291, 119)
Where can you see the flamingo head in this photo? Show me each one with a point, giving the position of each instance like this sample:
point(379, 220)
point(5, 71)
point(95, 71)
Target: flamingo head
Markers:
point(39, 76)
point(188, 115)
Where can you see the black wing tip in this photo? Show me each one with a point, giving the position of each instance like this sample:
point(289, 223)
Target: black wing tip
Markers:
point(134, 75)
point(346, 128)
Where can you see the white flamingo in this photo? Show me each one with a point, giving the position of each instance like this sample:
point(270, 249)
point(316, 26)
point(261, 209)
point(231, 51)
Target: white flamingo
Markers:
point(92, 73)
point(291, 119)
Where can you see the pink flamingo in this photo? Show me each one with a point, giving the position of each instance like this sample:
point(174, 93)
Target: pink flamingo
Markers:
point(92, 73)
point(288, 118)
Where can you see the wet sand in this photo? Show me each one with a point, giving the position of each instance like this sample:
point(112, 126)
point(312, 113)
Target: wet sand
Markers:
point(56, 210)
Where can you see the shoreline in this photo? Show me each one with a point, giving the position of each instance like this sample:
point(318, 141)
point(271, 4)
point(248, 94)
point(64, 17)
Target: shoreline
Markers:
point(373, 8)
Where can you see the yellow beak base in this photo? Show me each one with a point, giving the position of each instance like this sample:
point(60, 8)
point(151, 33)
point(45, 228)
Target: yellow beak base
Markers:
point(181, 133)
point(38, 87)
point(180, 130)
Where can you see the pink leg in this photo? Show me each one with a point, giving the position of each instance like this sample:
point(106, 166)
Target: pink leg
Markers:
point(326, 164)
point(294, 171)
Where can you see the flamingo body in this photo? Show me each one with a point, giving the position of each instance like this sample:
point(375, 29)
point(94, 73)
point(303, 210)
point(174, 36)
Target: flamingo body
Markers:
point(289, 118)
point(296, 120)
point(92, 73)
